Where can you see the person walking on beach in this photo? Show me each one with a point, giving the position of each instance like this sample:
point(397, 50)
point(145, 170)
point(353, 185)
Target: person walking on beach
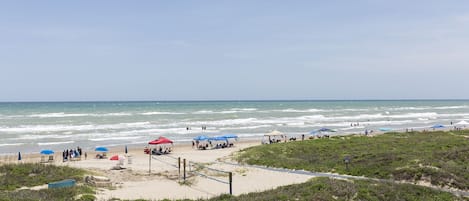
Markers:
point(63, 156)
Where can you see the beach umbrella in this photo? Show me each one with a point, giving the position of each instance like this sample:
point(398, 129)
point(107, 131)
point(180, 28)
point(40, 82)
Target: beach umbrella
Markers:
point(117, 157)
point(47, 152)
point(437, 126)
point(201, 138)
point(385, 129)
point(161, 140)
point(19, 156)
point(126, 151)
point(101, 149)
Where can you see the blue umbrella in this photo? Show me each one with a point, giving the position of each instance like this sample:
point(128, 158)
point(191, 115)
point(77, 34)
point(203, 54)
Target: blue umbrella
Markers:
point(229, 136)
point(201, 138)
point(437, 126)
point(47, 152)
point(384, 129)
point(19, 156)
point(101, 149)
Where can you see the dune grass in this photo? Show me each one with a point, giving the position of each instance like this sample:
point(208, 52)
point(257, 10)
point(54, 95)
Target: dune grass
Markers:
point(15, 176)
point(72, 194)
point(440, 158)
point(322, 188)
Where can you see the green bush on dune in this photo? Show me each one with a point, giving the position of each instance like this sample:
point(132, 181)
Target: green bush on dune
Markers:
point(441, 158)
point(15, 176)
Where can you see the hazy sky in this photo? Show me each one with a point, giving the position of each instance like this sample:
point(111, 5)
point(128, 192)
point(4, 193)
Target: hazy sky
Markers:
point(235, 50)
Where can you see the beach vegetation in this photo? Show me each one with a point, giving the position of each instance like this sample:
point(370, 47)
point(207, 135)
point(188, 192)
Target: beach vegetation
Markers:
point(439, 158)
point(322, 188)
point(16, 181)
point(14, 176)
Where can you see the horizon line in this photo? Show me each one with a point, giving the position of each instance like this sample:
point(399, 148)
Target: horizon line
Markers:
point(233, 100)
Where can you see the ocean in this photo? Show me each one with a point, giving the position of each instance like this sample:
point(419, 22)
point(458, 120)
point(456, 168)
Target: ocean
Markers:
point(31, 127)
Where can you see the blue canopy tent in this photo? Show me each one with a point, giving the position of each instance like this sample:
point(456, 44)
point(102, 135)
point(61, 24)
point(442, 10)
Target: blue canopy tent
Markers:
point(437, 126)
point(218, 138)
point(201, 138)
point(47, 152)
point(201, 142)
point(230, 136)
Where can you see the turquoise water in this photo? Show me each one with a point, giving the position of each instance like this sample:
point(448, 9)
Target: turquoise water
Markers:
point(30, 127)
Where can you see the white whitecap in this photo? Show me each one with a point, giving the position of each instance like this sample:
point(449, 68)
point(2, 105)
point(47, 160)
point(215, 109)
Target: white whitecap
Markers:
point(54, 143)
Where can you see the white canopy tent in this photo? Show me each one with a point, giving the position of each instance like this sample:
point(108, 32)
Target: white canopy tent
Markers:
point(273, 137)
point(462, 123)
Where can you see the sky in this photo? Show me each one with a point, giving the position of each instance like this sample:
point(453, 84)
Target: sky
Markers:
point(233, 50)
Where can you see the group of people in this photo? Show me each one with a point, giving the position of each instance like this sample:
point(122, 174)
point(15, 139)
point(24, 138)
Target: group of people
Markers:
point(368, 132)
point(205, 145)
point(159, 151)
point(71, 154)
point(203, 128)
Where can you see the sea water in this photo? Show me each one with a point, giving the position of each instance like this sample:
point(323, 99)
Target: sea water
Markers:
point(31, 127)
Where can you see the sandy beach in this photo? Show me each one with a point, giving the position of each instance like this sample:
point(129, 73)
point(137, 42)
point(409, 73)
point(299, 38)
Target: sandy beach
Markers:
point(135, 181)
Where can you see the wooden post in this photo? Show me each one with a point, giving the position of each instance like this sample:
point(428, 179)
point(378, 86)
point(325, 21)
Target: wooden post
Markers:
point(230, 175)
point(179, 168)
point(184, 169)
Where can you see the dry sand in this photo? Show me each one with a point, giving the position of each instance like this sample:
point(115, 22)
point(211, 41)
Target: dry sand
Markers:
point(135, 182)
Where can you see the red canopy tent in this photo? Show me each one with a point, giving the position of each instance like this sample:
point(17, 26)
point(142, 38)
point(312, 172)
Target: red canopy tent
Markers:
point(160, 140)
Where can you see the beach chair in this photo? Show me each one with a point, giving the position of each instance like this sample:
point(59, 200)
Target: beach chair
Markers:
point(43, 159)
